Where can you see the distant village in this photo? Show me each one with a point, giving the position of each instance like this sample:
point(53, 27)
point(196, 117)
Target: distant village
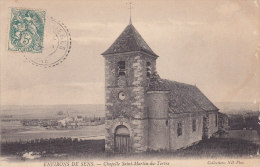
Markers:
point(64, 121)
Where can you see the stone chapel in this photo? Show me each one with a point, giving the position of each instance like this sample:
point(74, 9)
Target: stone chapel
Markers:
point(145, 112)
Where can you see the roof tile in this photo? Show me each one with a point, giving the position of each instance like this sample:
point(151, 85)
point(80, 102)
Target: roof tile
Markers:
point(182, 97)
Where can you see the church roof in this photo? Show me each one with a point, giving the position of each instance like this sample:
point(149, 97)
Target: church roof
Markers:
point(129, 40)
point(182, 97)
point(156, 83)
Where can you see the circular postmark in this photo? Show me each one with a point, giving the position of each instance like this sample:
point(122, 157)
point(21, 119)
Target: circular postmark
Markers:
point(56, 45)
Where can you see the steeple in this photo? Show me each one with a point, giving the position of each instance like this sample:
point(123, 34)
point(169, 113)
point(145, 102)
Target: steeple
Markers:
point(128, 41)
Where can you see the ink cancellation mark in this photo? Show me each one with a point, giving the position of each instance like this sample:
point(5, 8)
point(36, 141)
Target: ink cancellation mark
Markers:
point(26, 30)
point(56, 47)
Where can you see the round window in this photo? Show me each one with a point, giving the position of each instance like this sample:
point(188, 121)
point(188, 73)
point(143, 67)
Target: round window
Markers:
point(121, 95)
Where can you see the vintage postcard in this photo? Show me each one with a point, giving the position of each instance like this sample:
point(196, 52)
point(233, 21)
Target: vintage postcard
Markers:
point(130, 83)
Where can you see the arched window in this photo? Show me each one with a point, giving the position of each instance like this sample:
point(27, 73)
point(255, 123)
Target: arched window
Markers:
point(194, 125)
point(148, 69)
point(216, 120)
point(179, 129)
point(121, 68)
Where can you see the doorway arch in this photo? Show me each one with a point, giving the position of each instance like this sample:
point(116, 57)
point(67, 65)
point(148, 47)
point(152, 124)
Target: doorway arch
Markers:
point(122, 139)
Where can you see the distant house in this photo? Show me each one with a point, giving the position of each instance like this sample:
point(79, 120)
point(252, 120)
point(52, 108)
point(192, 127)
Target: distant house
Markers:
point(145, 112)
point(79, 118)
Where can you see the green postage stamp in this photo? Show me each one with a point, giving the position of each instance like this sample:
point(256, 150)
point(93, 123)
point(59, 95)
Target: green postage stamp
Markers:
point(26, 30)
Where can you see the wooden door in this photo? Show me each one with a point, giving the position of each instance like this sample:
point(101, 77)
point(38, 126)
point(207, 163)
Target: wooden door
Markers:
point(122, 143)
point(122, 140)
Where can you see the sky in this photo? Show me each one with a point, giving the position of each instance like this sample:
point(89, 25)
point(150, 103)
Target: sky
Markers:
point(208, 43)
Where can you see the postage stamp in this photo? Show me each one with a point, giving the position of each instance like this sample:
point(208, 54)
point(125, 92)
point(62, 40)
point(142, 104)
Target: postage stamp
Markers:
point(26, 30)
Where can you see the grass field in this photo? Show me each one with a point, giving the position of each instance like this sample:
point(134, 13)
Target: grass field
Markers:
point(221, 147)
point(212, 148)
point(14, 131)
point(249, 135)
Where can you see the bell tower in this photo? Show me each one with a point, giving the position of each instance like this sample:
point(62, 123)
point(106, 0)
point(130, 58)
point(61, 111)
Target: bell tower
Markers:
point(129, 62)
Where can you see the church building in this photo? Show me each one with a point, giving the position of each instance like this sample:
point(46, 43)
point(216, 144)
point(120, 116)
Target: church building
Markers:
point(145, 112)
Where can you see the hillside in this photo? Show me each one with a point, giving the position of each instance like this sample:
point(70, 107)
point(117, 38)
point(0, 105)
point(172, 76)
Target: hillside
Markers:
point(49, 111)
point(237, 107)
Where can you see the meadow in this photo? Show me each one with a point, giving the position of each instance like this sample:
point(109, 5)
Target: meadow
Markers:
point(14, 131)
point(67, 148)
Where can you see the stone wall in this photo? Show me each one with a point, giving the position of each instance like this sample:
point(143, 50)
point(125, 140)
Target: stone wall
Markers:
point(158, 133)
point(205, 127)
point(223, 122)
point(135, 68)
point(212, 127)
point(188, 136)
point(132, 111)
point(138, 133)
